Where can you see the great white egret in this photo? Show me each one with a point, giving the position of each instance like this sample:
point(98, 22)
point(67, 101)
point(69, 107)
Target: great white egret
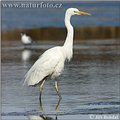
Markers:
point(51, 62)
point(26, 40)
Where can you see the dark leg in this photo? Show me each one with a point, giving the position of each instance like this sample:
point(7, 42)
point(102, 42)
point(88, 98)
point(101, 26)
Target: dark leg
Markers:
point(57, 106)
point(41, 88)
point(56, 117)
point(41, 108)
point(57, 90)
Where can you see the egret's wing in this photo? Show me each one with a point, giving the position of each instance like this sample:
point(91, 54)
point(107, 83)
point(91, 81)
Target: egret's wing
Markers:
point(43, 67)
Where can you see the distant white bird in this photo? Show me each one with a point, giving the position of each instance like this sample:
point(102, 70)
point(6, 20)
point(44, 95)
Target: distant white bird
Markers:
point(51, 62)
point(26, 40)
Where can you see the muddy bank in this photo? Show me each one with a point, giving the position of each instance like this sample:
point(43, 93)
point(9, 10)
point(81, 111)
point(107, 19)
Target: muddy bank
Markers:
point(54, 33)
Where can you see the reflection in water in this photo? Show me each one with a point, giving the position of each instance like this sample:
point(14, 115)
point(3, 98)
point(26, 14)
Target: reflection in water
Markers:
point(41, 117)
point(26, 55)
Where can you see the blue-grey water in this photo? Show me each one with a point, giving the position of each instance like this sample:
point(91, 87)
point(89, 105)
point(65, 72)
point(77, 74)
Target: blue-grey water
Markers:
point(103, 14)
point(89, 84)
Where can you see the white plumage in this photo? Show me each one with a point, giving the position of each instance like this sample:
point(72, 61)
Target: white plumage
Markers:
point(26, 40)
point(51, 62)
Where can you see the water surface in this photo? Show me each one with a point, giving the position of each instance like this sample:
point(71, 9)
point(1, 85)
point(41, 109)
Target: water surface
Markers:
point(88, 85)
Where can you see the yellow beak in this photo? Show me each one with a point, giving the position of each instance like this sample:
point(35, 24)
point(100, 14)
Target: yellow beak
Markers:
point(83, 13)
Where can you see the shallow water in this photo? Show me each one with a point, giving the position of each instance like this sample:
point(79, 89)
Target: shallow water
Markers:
point(88, 85)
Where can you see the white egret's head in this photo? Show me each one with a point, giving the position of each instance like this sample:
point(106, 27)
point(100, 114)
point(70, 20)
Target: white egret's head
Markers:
point(75, 11)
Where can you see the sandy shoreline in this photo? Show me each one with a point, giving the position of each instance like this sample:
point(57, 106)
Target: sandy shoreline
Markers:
point(57, 33)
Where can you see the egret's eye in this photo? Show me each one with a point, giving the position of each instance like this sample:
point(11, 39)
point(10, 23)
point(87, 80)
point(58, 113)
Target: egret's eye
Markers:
point(76, 12)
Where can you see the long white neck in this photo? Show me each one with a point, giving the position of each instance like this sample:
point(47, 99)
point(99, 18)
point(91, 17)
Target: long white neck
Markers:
point(68, 45)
